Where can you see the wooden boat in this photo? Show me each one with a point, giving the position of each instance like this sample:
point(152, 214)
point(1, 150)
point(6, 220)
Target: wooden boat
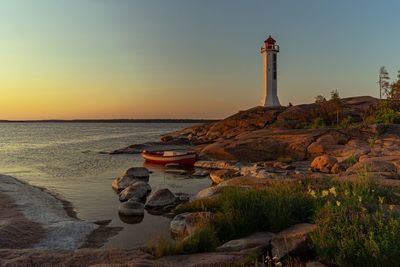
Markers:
point(165, 157)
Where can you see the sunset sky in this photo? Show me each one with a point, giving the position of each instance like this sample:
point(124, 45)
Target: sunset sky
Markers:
point(76, 59)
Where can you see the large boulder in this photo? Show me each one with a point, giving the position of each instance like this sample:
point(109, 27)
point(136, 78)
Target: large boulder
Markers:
point(138, 191)
point(323, 163)
point(120, 183)
point(328, 143)
point(161, 199)
point(132, 207)
point(259, 241)
point(185, 224)
point(218, 176)
point(293, 242)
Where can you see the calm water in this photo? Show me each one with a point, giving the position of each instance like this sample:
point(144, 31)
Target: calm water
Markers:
point(65, 158)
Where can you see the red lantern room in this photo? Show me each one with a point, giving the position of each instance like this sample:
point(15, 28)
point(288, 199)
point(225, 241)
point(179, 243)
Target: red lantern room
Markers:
point(270, 43)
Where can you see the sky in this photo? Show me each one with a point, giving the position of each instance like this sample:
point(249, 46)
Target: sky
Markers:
point(91, 59)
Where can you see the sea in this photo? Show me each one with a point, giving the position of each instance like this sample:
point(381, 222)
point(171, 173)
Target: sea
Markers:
point(69, 160)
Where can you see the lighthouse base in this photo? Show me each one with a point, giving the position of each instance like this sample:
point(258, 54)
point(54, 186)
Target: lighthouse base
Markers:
point(271, 102)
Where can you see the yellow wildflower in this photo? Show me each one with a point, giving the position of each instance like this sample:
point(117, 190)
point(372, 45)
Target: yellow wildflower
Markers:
point(338, 203)
point(359, 199)
point(391, 207)
point(332, 190)
point(381, 199)
point(312, 193)
point(325, 193)
point(364, 209)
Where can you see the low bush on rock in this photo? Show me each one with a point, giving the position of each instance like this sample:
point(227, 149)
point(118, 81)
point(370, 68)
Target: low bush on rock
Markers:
point(387, 115)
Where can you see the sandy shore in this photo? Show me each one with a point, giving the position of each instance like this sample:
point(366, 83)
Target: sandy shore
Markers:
point(31, 217)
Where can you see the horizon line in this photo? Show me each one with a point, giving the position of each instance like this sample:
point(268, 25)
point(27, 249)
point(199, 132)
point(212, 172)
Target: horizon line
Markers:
point(110, 120)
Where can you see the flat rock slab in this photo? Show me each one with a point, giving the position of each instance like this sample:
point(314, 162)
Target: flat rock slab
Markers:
point(260, 240)
point(292, 241)
point(63, 231)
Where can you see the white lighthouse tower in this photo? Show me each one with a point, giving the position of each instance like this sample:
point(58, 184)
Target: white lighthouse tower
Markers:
point(269, 54)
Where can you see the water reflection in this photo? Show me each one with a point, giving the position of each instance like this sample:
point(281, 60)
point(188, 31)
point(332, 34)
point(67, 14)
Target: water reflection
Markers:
point(130, 219)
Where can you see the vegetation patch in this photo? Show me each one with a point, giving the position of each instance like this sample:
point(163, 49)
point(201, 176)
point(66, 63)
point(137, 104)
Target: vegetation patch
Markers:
point(358, 223)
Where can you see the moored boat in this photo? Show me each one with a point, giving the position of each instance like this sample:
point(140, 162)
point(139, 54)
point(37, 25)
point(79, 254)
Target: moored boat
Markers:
point(166, 157)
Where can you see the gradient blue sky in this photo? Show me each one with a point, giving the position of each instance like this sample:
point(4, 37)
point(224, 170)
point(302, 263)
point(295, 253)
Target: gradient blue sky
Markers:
point(185, 58)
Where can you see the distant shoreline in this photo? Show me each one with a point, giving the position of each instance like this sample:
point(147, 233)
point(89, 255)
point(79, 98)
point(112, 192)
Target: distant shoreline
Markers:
point(113, 121)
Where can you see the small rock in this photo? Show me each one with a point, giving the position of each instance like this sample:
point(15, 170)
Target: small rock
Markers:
point(140, 173)
point(160, 199)
point(258, 240)
point(120, 183)
point(208, 192)
point(323, 163)
point(201, 173)
point(138, 191)
point(182, 197)
point(283, 166)
point(185, 224)
point(176, 171)
point(131, 208)
point(218, 176)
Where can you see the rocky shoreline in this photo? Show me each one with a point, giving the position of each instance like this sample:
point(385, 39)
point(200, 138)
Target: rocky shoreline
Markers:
point(255, 149)
point(50, 220)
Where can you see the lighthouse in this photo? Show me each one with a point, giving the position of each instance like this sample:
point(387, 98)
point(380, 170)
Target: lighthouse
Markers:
point(269, 54)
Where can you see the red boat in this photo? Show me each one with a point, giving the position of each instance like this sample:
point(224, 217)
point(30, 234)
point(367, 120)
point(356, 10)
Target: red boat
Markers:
point(165, 157)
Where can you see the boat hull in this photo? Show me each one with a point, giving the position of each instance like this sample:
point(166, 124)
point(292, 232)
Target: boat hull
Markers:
point(188, 159)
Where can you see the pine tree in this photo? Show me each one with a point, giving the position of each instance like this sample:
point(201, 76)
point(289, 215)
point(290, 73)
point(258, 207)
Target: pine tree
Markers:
point(383, 82)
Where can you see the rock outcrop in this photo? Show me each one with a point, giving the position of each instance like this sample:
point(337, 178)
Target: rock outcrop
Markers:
point(257, 241)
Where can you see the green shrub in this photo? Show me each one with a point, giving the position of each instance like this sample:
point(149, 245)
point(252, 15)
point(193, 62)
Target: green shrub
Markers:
point(285, 159)
point(318, 123)
point(203, 240)
point(241, 212)
point(387, 115)
point(351, 235)
point(351, 160)
point(347, 122)
point(357, 226)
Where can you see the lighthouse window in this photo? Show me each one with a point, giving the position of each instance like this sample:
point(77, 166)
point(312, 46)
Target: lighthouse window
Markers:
point(274, 75)
point(274, 57)
point(275, 65)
